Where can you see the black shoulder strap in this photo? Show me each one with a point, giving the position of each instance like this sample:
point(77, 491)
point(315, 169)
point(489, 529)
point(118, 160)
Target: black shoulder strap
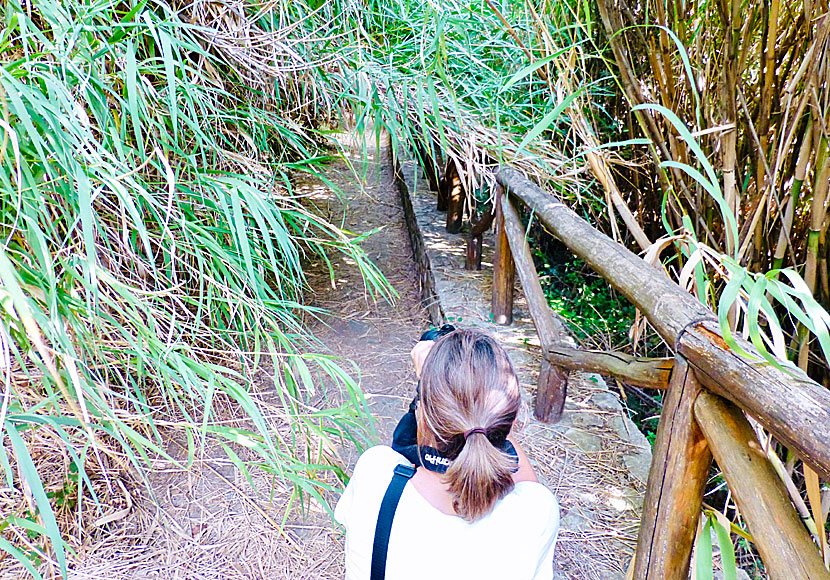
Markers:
point(388, 505)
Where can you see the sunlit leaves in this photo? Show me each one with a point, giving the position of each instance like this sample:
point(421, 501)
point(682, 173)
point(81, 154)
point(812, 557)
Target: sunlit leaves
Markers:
point(708, 180)
point(153, 256)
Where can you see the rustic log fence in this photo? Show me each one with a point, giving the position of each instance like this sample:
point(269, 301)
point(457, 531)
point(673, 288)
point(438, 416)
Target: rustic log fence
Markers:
point(710, 388)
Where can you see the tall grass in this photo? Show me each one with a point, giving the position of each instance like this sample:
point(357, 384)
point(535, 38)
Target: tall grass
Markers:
point(435, 76)
point(152, 260)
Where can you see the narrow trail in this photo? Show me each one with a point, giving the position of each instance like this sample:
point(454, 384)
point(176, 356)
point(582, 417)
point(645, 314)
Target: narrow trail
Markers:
point(588, 459)
point(376, 335)
point(209, 523)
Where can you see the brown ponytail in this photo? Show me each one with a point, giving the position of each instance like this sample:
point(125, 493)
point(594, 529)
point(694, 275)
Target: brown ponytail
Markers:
point(468, 386)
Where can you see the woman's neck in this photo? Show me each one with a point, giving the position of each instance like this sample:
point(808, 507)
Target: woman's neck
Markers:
point(431, 487)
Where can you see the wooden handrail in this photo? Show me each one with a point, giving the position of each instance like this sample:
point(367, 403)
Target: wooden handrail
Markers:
point(793, 407)
point(695, 422)
point(553, 381)
point(647, 287)
point(649, 373)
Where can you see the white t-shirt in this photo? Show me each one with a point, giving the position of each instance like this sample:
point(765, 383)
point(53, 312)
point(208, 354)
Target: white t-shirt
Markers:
point(514, 541)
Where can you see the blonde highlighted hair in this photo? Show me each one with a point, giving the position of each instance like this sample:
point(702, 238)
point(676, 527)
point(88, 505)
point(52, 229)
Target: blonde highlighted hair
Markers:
point(468, 383)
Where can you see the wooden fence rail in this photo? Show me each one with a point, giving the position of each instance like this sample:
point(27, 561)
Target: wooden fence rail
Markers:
point(709, 388)
point(792, 406)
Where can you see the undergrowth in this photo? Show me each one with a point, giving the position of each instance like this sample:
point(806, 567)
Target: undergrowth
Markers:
point(151, 264)
point(591, 309)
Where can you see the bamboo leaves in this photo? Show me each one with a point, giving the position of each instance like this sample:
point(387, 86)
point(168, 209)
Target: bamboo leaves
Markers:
point(44, 508)
point(754, 292)
point(549, 119)
point(156, 257)
point(709, 181)
point(704, 560)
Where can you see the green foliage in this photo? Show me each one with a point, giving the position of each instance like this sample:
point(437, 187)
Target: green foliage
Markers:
point(704, 562)
point(152, 256)
point(591, 309)
point(708, 180)
point(451, 75)
point(752, 297)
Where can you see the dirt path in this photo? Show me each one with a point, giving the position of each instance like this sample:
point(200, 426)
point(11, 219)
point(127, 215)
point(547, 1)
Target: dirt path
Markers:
point(376, 335)
point(209, 522)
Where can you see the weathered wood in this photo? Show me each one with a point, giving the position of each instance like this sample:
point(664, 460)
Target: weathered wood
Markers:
point(474, 247)
point(649, 373)
point(550, 329)
point(483, 223)
point(426, 279)
point(551, 392)
point(679, 470)
point(553, 382)
point(475, 240)
point(788, 403)
point(455, 211)
point(453, 196)
point(444, 184)
point(504, 270)
point(428, 165)
point(781, 539)
point(793, 407)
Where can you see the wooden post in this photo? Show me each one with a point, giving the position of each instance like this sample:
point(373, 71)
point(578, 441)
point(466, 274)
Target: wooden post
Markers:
point(504, 270)
point(428, 165)
point(553, 381)
point(445, 184)
point(783, 542)
point(474, 246)
point(679, 470)
point(442, 196)
point(453, 197)
point(474, 242)
point(551, 391)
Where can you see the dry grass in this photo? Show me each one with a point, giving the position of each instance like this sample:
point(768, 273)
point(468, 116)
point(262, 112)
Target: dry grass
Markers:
point(596, 486)
point(205, 520)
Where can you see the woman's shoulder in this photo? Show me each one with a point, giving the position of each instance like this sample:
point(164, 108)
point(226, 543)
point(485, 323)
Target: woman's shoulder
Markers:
point(368, 483)
point(534, 493)
point(536, 502)
point(379, 460)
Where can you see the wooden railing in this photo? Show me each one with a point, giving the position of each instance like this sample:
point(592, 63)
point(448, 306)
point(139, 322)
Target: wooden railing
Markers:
point(710, 388)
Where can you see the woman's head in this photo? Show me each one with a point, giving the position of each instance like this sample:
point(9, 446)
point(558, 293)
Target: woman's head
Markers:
point(469, 401)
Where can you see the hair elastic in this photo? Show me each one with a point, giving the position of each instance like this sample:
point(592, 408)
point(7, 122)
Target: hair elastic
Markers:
point(481, 430)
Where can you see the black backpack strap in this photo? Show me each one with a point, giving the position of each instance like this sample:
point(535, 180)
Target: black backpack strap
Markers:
point(388, 505)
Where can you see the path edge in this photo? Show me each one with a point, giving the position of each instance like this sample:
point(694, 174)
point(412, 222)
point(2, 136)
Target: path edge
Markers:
point(426, 279)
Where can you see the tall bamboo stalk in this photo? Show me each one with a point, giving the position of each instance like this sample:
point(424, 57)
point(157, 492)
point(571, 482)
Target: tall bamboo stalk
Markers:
point(817, 212)
point(730, 114)
point(804, 154)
